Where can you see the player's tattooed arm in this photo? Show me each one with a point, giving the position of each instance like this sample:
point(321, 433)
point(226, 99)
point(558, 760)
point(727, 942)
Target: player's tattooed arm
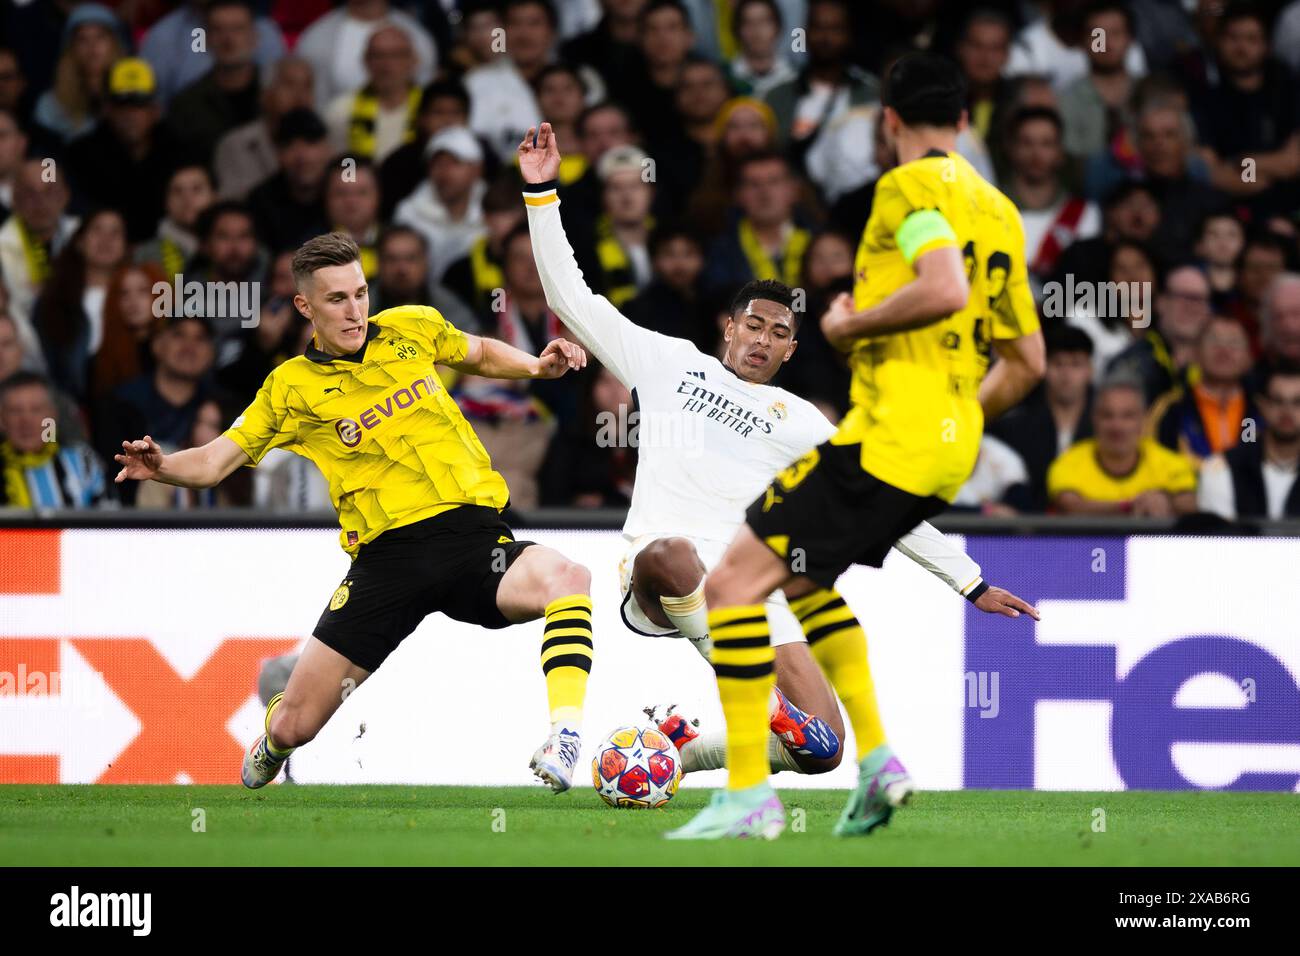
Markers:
point(939, 289)
point(493, 358)
point(202, 467)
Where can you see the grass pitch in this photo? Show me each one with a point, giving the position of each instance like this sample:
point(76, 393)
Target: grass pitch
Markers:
point(475, 826)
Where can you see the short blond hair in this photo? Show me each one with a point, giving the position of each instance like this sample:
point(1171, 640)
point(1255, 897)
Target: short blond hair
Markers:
point(331, 249)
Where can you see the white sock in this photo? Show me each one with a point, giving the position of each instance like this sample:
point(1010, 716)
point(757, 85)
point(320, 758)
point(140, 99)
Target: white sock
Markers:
point(709, 752)
point(690, 615)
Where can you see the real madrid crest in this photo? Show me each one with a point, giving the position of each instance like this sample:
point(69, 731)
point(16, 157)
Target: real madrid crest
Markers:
point(777, 411)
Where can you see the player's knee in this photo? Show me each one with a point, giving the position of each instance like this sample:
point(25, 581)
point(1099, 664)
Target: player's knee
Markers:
point(291, 728)
point(570, 578)
point(670, 566)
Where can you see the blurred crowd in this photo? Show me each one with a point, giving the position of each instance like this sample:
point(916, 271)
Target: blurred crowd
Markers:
point(1152, 147)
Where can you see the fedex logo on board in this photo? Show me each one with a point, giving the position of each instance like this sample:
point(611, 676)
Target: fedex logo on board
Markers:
point(1147, 720)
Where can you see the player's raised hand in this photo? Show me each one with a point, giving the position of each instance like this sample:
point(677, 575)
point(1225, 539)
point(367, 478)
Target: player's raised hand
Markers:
point(559, 356)
point(140, 459)
point(999, 601)
point(539, 162)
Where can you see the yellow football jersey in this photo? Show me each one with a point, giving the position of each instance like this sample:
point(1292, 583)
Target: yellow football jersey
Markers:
point(1158, 469)
point(379, 425)
point(915, 394)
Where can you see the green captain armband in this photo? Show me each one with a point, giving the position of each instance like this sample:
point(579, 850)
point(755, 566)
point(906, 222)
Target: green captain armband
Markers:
point(920, 229)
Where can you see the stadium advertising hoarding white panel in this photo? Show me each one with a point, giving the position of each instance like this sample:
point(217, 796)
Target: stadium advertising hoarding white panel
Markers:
point(1160, 663)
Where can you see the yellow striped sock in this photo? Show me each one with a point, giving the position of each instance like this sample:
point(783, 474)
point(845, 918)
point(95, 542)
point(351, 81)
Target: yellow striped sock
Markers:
point(566, 657)
point(273, 703)
point(839, 646)
point(744, 662)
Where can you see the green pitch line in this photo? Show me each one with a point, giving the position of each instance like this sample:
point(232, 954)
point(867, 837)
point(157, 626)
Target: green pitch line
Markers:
point(373, 825)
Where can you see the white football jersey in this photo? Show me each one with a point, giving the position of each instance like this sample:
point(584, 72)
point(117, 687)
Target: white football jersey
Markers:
point(708, 442)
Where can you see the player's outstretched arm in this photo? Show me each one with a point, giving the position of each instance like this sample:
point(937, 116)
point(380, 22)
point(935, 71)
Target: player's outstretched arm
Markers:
point(927, 546)
point(1021, 364)
point(939, 289)
point(201, 467)
point(493, 358)
point(622, 346)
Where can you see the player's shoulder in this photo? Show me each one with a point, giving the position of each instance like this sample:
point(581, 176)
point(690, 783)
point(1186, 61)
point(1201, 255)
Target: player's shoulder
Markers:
point(409, 318)
point(292, 371)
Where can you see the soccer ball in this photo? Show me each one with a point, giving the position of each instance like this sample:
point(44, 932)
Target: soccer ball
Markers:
point(636, 767)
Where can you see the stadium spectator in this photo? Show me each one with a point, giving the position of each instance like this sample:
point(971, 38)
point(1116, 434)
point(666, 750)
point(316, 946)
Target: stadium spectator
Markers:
point(828, 84)
point(281, 333)
point(1280, 335)
point(289, 207)
point(1258, 478)
point(158, 496)
point(162, 404)
point(760, 63)
point(764, 242)
point(516, 420)
point(352, 206)
point(1264, 257)
point(850, 212)
point(93, 39)
point(1118, 471)
point(1251, 111)
point(228, 257)
point(1219, 242)
point(370, 123)
point(1208, 417)
point(1053, 217)
point(999, 483)
point(591, 463)
point(616, 257)
point(1053, 46)
point(15, 96)
point(650, 84)
point(227, 95)
point(673, 303)
point(69, 315)
point(742, 127)
point(126, 160)
point(130, 323)
point(1129, 213)
point(561, 98)
point(1118, 310)
point(11, 348)
point(1055, 416)
point(30, 239)
point(170, 48)
point(818, 372)
point(335, 46)
point(13, 148)
point(600, 128)
point(246, 156)
point(1166, 160)
point(443, 103)
point(447, 208)
point(608, 47)
point(1096, 105)
point(478, 42)
point(38, 467)
point(189, 193)
point(502, 104)
point(1286, 36)
point(982, 51)
point(1165, 354)
point(475, 278)
point(403, 270)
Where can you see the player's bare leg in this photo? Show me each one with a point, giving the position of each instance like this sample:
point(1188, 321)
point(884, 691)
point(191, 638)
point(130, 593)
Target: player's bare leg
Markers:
point(668, 586)
point(744, 663)
point(321, 680)
point(544, 583)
